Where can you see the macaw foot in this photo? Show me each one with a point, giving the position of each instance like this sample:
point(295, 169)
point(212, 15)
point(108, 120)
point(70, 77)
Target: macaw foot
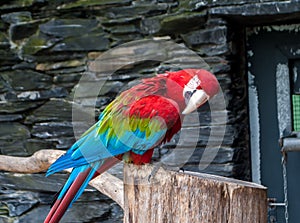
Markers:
point(164, 166)
point(154, 171)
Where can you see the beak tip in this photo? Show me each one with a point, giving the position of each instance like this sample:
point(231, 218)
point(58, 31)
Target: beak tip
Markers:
point(184, 112)
point(197, 99)
point(188, 110)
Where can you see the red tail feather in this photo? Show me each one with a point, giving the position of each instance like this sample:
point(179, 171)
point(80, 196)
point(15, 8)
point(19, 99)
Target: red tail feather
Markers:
point(61, 205)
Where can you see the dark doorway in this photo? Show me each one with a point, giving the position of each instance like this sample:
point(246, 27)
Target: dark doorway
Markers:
point(273, 58)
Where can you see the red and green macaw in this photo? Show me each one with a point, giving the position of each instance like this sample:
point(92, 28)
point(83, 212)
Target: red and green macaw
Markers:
point(129, 128)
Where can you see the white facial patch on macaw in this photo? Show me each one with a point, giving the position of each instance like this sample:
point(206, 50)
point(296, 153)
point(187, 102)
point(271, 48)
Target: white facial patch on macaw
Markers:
point(194, 82)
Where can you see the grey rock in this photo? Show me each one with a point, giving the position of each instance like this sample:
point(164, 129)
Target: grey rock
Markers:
point(20, 31)
point(86, 42)
point(224, 155)
point(13, 131)
point(213, 50)
point(218, 64)
point(38, 214)
point(233, 2)
point(32, 182)
point(46, 130)
point(198, 137)
point(17, 17)
point(16, 5)
point(98, 103)
point(101, 87)
point(26, 80)
point(253, 14)
point(10, 118)
point(116, 214)
point(216, 35)
point(63, 142)
point(34, 145)
point(196, 5)
point(59, 65)
point(206, 118)
point(24, 66)
point(183, 62)
point(4, 86)
point(138, 10)
point(12, 138)
point(54, 92)
point(121, 38)
point(216, 169)
point(36, 43)
point(102, 101)
point(18, 202)
point(60, 57)
point(4, 41)
point(18, 106)
point(111, 87)
point(118, 21)
point(123, 29)
point(150, 25)
point(3, 25)
point(3, 217)
point(14, 148)
point(68, 77)
point(69, 27)
point(92, 3)
point(174, 23)
point(256, 9)
point(56, 110)
point(8, 58)
point(93, 211)
point(183, 22)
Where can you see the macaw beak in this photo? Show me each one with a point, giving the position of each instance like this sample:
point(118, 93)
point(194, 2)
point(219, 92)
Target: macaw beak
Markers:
point(194, 100)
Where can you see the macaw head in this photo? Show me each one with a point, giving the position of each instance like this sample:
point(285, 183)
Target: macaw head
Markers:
point(191, 88)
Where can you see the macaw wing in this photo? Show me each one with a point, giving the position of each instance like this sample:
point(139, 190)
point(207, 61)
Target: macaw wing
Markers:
point(120, 128)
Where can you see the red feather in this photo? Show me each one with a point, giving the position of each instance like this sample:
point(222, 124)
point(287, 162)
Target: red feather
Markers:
point(61, 205)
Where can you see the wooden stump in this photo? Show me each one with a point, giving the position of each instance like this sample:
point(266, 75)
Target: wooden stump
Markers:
point(190, 197)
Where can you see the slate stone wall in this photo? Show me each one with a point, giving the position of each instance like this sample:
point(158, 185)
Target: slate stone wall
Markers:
point(45, 48)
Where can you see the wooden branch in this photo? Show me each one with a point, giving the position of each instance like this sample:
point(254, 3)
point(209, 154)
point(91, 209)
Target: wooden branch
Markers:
point(111, 186)
point(190, 198)
point(40, 162)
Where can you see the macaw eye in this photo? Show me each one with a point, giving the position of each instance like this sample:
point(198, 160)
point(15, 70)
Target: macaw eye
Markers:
point(188, 95)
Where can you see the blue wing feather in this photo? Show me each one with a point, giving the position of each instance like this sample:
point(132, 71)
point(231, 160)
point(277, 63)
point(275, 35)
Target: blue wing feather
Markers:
point(93, 147)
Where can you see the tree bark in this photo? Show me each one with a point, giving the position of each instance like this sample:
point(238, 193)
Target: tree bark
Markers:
point(40, 161)
point(189, 197)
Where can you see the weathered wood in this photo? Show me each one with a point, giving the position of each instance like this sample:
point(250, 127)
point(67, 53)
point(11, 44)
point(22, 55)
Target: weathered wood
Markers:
point(189, 197)
point(40, 162)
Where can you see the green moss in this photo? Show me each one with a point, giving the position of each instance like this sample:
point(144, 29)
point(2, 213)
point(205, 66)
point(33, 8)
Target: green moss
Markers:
point(88, 3)
point(26, 2)
point(17, 4)
point(183, 21)
point(4, 210)
point(4, 42)
point(35, 44)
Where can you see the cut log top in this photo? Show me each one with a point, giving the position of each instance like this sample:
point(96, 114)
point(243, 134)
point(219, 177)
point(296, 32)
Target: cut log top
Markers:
point(226, 180)
point(190, 197)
